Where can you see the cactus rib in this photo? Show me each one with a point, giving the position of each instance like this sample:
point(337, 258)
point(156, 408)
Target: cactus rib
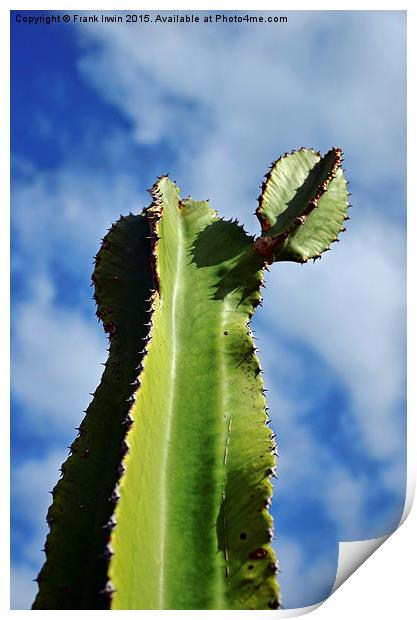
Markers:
point(80, 516)
point(201, 537)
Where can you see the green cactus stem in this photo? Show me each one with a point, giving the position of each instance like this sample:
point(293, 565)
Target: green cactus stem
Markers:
point(164, 501)
point(76, 566)
point(200, 499)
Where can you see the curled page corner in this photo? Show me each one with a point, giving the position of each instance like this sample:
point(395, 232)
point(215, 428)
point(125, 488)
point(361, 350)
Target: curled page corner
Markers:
point(411, 491)
point(352, 555)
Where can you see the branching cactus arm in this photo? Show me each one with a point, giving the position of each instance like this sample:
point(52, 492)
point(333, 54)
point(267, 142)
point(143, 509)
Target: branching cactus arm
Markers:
point(303, 206)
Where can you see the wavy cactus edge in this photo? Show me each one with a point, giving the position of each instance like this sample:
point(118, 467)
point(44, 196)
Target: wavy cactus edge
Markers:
point(256, 254)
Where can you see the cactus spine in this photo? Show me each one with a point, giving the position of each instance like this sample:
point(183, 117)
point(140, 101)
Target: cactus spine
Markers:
point(164, 499)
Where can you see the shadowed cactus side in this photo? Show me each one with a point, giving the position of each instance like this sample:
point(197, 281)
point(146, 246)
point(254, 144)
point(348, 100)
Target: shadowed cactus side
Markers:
point(164, 499)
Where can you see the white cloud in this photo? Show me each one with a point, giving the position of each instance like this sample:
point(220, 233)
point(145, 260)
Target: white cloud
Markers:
point(255, 91)
point(30, 482)
point(23, 588)
point(344, 500)
point(60, 215)
point(56, 359)
point(309, 471)
point(350, 308)
point(317, 575)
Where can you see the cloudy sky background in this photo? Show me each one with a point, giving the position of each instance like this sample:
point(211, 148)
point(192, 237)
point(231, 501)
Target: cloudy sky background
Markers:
point(98, 113)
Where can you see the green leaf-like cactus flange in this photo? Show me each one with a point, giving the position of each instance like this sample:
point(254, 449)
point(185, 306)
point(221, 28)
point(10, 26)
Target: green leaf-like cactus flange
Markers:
point(302, 206)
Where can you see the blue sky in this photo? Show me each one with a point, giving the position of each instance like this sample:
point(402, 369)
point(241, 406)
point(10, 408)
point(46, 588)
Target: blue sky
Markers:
point(98, 113)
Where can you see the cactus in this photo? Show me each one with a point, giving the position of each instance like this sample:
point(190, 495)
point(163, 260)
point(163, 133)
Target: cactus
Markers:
point(163, 502)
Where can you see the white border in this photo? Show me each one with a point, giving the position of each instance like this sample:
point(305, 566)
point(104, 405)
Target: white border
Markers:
point(384, 585)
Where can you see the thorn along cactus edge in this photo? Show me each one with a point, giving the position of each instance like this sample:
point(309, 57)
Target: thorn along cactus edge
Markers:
point(163, 502)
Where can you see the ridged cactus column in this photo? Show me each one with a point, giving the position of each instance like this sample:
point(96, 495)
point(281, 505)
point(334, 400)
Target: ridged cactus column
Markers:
point(164, 500)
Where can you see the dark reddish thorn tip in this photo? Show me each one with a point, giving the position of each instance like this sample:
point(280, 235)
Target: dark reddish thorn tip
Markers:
point(258, 554)
point(110, 328)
